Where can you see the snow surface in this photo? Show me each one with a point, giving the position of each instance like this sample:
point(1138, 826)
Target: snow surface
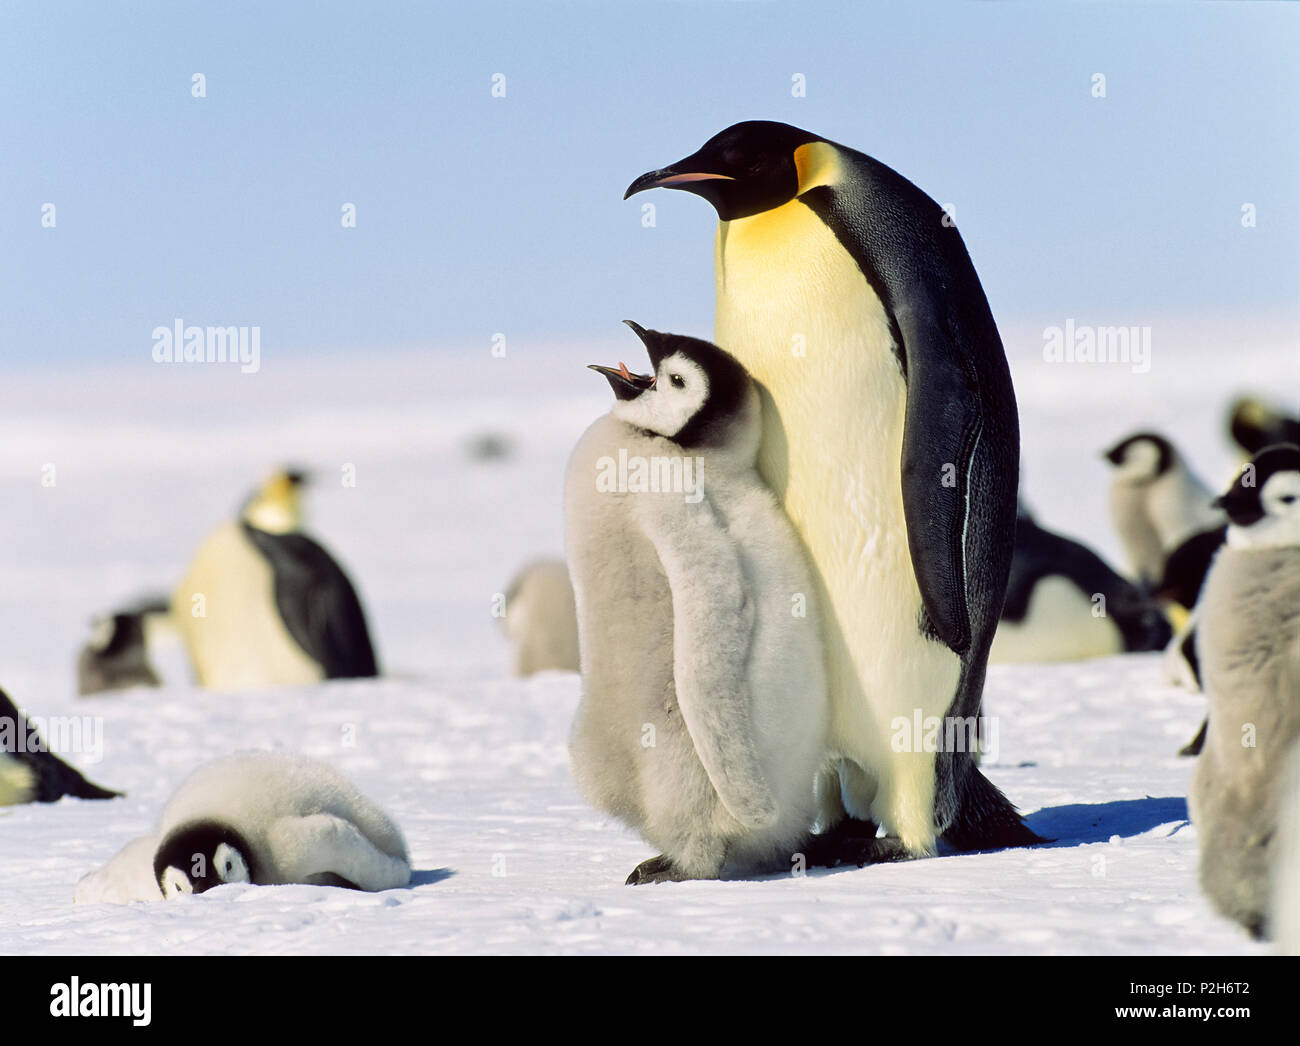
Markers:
point(472, 764)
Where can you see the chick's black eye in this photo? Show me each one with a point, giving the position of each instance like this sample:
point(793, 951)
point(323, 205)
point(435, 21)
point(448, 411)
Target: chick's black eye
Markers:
point(678, 381)
point(1287, 499)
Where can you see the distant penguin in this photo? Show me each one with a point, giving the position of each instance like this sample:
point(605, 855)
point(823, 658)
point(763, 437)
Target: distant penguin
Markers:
point(891, 439)
point(1065, 604)
point(1254, 425)
point(117, 654)
point(704, 715)
point(1249, 645)
point(262, 604)
point(541, 619)
point(265, 818)
point(29, 772)
point(1156, 503)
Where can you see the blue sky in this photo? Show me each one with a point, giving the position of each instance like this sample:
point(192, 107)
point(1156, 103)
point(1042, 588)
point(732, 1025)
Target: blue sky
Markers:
point(479, 214)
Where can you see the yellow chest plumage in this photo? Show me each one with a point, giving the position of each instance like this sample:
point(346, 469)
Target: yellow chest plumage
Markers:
point(796, 310)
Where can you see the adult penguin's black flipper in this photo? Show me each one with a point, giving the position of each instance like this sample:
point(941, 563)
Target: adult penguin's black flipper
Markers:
point(318, 604)
point(29, 772)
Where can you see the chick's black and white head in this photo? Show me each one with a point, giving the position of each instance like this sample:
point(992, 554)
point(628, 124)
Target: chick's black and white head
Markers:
point(199, 855)
point(697, 396)
point(1142, 457)
point(1263, 503)
point(749, 168)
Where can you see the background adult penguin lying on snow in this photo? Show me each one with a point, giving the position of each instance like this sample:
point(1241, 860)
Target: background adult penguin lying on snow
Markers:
point(29, 772)
point(1052, 611)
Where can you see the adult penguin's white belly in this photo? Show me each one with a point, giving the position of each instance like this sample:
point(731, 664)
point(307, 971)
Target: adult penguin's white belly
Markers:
point(795, 309)
point(239, 641)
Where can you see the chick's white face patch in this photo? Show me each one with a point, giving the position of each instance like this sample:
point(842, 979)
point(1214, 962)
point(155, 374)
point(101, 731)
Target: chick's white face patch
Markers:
point(1140, 461)
point(230, 864)
point(1280, 526)
point(679, 393)
point(176, 883)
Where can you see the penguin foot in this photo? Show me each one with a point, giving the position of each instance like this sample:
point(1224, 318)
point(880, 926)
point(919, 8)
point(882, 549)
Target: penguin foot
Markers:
point(852, 841)
point(1194, 746)
point(987, 820)
point(656, 870)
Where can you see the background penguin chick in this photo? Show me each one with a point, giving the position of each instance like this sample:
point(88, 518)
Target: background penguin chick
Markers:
point(117, 654)
point(1249, 647)
point(259, 817)
point(263, 604)
point(29, 772)
point(541, 619)
point(1156, 503)
point(703, 716)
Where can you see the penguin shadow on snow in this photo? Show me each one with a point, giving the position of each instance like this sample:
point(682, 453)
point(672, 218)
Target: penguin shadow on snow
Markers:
point(430, 876)
point(1061, 827)
point(1075, 824)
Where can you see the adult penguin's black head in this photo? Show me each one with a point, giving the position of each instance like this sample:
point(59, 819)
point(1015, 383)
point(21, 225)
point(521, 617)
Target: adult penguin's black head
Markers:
point(749, 168)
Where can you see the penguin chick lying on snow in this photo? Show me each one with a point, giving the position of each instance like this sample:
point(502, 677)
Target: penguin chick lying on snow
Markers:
point(1249, 645)
point(704, 712)
point(257, 817)
point(117, 653)
point(29, 772)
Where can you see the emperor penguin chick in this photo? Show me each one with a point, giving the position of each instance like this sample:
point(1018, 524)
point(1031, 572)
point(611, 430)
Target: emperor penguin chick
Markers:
point(257, 817)
point(1248, 640)
point(541, 621)
point(1156, 503)
point(704, 716)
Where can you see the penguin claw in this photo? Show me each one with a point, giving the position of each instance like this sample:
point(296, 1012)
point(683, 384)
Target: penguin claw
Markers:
point(656, 870)
point(1194, 746)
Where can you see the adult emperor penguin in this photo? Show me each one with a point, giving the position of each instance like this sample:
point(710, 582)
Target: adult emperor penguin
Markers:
point(541, 620)
point(29, 771)
point(1254, 424)
point(262, 604)
point(265, 818)
point(1065, 603)
point(1249, 644)
point(1156, 503)
point(703, 716)
point(890, 435)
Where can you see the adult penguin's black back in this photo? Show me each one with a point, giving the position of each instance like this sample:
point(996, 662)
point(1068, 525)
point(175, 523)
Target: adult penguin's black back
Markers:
point(317, 603)
point(891, 436)
point(29, 773)
point(1041, 553)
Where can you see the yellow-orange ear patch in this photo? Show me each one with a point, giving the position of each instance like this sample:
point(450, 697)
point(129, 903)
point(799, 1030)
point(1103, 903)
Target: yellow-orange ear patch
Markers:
point(816, 164)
